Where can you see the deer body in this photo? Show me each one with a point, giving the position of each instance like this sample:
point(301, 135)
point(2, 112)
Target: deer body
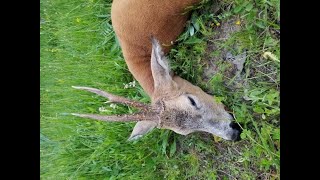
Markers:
point(176, 103)
point(135, 20)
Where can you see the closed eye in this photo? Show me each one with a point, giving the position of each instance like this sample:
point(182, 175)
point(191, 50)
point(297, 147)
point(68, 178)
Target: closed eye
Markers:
point(192, 101)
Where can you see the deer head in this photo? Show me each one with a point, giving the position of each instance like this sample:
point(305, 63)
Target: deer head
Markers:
point(176, 105)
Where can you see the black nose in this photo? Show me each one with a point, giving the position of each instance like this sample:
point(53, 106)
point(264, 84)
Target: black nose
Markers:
point(234, 125)
point(235, 135)
point(237, 131)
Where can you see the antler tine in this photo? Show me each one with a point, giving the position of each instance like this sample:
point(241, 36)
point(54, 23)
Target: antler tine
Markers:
point(115, 98)
point(117, 118)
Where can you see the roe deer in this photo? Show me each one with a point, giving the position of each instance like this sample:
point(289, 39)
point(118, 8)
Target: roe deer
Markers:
point(176, 103)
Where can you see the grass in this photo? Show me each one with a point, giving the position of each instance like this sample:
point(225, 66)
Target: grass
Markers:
point(78, 47)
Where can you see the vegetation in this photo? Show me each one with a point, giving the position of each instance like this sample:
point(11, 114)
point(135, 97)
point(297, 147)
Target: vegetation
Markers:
point(78, 48)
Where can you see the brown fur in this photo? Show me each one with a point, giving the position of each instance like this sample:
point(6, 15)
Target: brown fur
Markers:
point(134, 21)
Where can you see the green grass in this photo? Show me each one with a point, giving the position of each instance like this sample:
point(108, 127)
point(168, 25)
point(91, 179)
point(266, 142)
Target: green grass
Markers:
point(78, 47)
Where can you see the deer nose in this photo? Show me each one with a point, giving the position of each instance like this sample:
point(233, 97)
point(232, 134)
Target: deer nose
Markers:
point(235, 136)
point(234, 125)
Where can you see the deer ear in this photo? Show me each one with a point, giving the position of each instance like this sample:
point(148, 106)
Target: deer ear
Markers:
point(141, 128)
point(159, 66)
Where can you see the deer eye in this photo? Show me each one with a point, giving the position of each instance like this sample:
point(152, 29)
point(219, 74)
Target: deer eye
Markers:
point(192, 101)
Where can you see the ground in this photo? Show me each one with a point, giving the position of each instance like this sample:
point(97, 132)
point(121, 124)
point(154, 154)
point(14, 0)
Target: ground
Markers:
point(229, 48)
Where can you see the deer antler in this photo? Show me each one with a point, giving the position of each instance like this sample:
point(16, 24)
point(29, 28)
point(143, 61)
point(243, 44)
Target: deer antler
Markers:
point(146, 114)
point(117, 118)
point(115, 98)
